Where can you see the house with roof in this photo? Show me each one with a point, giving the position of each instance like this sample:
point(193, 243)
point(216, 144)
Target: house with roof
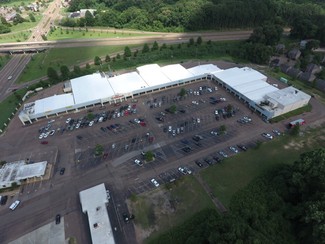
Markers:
point(294, 73)
point(285, 67)
point(280, 48)
point(320, 84)
point(294, 54)
point(313, 68)
point(307, 76)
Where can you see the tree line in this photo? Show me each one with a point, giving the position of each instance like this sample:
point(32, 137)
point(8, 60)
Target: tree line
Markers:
point(181, 15)
point(286, 205)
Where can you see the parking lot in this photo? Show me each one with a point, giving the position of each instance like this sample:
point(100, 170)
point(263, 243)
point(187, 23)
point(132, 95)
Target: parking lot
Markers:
point(197, 130)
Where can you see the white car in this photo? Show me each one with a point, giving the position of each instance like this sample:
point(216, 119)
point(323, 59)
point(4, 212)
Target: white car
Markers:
point(235, 150)
point(182, 170)
point(91, 123)
point(223, 99)
point(10, 77)
point(68, 120)
point(267, 136)
point(153, 181)
point(187, 170)
point(46, 134)
point(100, 119)
point(138, 162)
point(198, 120)
point(41, 136)
point(169, 129)
point(77, 126)
point(214, 133)
point(216, 112)
point(52, 132)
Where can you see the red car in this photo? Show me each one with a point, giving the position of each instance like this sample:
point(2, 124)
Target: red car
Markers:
point(143, 124)
point(44, 142)
point(105, 155)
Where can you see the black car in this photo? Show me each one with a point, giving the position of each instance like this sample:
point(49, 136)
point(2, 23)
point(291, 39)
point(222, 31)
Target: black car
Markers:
point(208, 161)
point(187, 149)
point(126, 218)
point(62, 170)
point(58, 219)
point(199, 163)
point(217, 159)
point(242, 147)
point(3, 200)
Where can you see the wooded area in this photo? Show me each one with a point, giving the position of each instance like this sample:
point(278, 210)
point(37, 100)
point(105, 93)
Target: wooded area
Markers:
point(286, 205)
point(181, 15)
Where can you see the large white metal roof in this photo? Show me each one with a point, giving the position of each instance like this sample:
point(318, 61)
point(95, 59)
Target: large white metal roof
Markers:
point(288, 96)
point(19, 170)
point(90, 88)
point(246, 81)
point(49, 104)
point(204, 69)
point(93, 202)
point(152, 75)
point(176, 72)
point(126, 83)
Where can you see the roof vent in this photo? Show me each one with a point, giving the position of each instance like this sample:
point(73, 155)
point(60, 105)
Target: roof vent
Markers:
point(95, 225)
point(98, 208)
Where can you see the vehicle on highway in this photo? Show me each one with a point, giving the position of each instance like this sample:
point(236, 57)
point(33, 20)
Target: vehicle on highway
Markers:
point(138, 162)
point(154, 182)
point(58, 219)
point(234, 149)
point(62, 170)
point(14, 205)
point(267, 136)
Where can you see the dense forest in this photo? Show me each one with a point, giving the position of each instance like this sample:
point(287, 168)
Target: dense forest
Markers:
point(181, 15)
point(284, 206)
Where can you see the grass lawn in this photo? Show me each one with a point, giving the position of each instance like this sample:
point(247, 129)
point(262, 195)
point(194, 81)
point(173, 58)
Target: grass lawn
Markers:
point(236, 172)
point(4, 59)
point(59, 34)
point(57, 57)
point(169, 208)
point(8, 106)
point(27, 25)
point(20, 36)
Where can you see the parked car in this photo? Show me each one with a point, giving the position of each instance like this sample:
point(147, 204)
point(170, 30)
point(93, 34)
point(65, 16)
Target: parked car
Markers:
point(44, 142)
point(187, 170)
point(198, 163)
point(242, 147)
point(234, 149)
point(182, 170)
point(267, 136)
point(153, 181)
point(138, 162)
point(62, 170)
point(58, 219)
point(222, 153)
point(276, 132)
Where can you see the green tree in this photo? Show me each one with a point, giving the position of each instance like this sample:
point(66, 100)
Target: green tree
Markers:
point(89, 18)
point(223, 129)
point(90, 116)
point(182, 93)
point(65, 72)
point(295, 130)
point(76, 70)
point(87, 66)
point(149, 156)
point(173, 109)
point(32, 17)
point(99, 149)
point(199, 40)
point(107, 59)
point(127, 52)
point(155, 46)
point(97, 61)
point(52, 75)
point(145, 48)
point(191, 42)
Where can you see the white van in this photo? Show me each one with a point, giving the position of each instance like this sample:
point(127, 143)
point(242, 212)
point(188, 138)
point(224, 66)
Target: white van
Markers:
point(14, 205)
